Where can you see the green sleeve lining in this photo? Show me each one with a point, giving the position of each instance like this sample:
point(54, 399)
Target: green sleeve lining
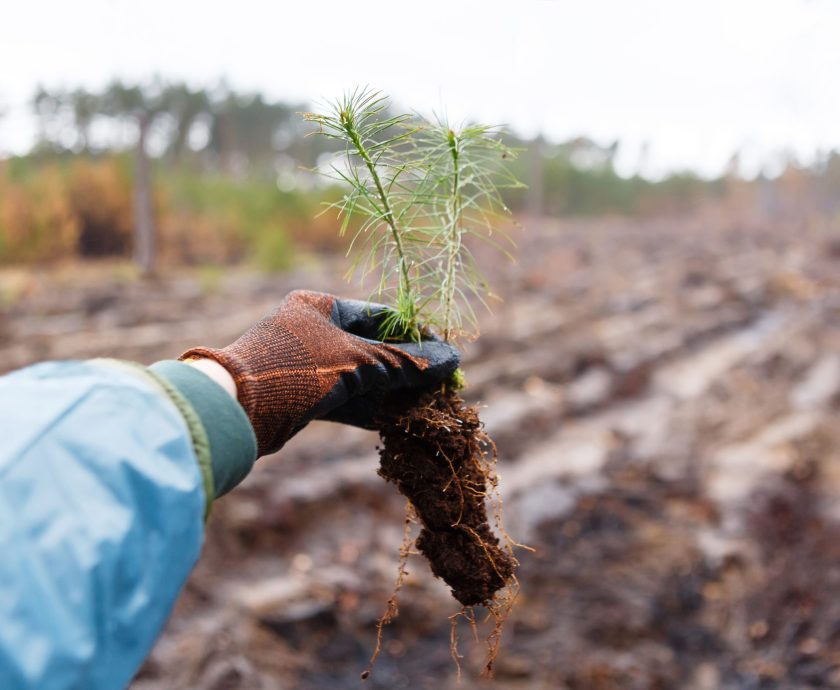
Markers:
point(231, 439)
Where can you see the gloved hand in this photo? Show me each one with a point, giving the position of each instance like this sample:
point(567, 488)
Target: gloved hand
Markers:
point(318, 357)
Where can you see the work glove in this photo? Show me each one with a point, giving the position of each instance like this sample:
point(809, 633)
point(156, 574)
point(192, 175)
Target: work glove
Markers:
point(318, 357)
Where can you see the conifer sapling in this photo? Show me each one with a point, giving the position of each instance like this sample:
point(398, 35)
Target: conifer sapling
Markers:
point(417, 192)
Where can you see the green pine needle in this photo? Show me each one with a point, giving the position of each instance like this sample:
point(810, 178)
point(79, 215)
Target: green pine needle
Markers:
point(419, 189)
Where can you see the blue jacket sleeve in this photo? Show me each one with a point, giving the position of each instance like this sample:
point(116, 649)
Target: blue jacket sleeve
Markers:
point(101, 520)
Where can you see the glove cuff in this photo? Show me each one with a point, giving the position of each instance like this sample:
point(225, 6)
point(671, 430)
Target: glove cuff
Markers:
point(276, 384)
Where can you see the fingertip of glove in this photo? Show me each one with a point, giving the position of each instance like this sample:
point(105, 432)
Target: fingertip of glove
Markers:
point(440, 356)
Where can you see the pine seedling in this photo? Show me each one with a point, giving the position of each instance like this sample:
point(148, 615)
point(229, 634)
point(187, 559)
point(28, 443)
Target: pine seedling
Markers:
point(420, 192)
point(419, 189)
point(463, 178)
point(382, 183)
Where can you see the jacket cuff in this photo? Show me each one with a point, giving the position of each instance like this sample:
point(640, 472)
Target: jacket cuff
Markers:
point(233, 446)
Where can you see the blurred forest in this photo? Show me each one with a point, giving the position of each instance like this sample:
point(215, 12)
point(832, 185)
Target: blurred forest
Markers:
point(184, 176)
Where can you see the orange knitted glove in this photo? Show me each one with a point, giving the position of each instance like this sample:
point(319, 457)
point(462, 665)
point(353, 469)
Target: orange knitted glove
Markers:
point(316, 356)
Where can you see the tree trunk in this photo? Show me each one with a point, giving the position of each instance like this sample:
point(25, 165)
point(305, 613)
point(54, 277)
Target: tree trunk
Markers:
point(534, 199)
point(144, 222)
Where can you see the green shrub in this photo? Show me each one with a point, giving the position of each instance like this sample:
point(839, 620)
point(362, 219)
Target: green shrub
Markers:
point(273, 251)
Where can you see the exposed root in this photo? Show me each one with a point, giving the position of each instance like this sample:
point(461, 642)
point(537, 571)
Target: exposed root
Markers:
point(470, 616)
point(392, 610)
point(498, 610)
point(487, 552)
point(457, 483)
point(453, 639)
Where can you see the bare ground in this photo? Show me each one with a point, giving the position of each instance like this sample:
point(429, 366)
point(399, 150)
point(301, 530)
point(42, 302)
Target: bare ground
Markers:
point(664, 396)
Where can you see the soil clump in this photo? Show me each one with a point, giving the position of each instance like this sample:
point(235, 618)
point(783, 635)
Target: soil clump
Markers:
point(435, 450)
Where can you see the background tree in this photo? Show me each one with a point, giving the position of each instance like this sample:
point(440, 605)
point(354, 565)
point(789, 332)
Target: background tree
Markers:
point(132, 103)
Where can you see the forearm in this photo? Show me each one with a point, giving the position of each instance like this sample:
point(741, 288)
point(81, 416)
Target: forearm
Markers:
point(102, 504)
point(217, 373)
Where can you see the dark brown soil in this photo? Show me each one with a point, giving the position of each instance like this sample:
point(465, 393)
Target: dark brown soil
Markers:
point(436, 452)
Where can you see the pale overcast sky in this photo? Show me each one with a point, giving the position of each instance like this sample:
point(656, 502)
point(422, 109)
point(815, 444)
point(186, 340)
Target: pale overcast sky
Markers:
point(682, 83)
